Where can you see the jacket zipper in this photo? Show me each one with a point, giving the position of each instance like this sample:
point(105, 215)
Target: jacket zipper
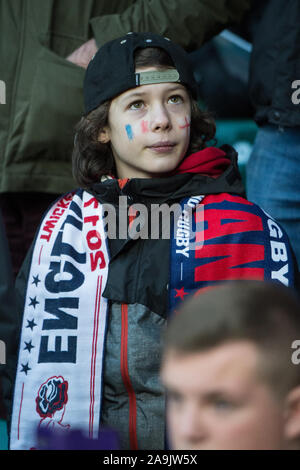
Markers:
point(126, 378)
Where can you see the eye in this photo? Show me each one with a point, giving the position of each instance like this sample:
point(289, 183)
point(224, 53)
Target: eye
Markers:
point(174, 397)
point(136, 105)
point(176, 99)
point(223, 405)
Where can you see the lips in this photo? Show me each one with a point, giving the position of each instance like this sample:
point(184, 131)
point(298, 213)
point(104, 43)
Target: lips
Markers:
point(163, 146)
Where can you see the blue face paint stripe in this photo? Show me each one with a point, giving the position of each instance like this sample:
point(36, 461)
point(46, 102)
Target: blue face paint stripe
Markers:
point(129, 131)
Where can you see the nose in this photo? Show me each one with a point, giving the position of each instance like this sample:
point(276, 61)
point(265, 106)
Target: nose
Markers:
point(160, 118)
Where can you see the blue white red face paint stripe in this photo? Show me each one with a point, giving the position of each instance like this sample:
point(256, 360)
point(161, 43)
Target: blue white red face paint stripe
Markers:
point(144, 126)
point(129, 131)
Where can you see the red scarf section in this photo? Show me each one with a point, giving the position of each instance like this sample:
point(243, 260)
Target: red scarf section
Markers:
point(210, 161)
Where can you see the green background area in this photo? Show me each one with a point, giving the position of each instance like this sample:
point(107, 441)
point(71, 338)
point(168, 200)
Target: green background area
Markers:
point(3, 435)
point(241, 135)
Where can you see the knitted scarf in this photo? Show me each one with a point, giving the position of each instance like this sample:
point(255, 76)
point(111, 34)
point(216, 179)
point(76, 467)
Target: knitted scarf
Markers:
point(59, 378)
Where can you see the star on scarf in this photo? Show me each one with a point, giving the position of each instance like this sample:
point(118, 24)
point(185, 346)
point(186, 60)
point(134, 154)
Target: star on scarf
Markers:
point(33, 302)
point(31, 324)
point(25, 368)
point(180, 293)
point(28, 346)
point(36, 280)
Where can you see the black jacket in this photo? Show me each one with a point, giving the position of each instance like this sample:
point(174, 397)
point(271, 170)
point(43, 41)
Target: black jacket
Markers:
point(275, 63)
point(8, 326)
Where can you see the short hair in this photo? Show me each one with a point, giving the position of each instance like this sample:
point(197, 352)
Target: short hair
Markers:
point(264, 313)
point(92, 159)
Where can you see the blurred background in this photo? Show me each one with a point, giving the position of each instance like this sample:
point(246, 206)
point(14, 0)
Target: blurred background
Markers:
point(222, 70)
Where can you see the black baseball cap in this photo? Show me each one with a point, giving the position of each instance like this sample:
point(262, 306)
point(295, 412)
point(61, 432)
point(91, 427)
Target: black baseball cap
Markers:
point(112, 69)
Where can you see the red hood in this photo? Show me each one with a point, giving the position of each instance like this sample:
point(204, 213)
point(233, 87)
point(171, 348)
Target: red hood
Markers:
point(210, 161)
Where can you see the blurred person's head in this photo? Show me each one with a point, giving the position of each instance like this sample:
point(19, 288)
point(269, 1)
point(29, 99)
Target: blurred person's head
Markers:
point(228, 371)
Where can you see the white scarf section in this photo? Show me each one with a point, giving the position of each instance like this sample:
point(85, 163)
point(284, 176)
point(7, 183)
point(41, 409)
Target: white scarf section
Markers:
point(59, 374)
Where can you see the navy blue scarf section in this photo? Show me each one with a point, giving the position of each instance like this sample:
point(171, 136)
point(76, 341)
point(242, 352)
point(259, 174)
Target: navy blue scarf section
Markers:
point(234, 239)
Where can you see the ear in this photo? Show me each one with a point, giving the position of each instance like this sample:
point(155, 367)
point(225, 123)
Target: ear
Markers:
point(292, 415)
point(104, 135)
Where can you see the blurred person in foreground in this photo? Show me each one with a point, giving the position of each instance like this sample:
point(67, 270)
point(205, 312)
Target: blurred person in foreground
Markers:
point(230, 370)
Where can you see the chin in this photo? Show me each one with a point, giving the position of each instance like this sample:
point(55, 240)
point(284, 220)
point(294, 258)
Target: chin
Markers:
point(165, 169)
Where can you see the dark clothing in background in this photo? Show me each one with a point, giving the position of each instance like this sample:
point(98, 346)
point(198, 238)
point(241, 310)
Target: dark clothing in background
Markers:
point(272, 26)
point(22, 214)
point(273, 170)
point(275, 63)
point(8, 330)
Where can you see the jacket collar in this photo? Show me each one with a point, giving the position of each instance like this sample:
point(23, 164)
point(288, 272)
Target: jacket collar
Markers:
point(222, 175)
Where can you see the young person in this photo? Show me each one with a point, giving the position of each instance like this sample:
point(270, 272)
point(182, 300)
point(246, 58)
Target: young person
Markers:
point(231, 369)
point(94, 305)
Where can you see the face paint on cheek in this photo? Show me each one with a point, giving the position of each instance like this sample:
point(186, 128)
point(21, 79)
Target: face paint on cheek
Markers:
point(186, 125)
point(144, 126)
point(129, 131)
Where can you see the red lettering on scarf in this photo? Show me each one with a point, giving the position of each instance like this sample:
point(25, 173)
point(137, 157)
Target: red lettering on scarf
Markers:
point(219, 223)
point(229, 265)
point(90, 201)
point(62, 204)
point(93, 219)
point(56, 214)
point(93, 239)
point(227, 222)
point(48, 227)
point(95, 257)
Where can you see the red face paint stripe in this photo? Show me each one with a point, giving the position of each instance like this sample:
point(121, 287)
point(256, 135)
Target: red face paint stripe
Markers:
point(126, 379)
point(187, 124)
point(144, 125)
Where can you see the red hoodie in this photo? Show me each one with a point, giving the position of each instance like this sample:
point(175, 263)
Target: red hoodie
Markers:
point(211, 161)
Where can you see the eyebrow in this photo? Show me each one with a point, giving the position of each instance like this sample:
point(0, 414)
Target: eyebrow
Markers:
point(139, 94)
point(211, 397)
point(208, 397)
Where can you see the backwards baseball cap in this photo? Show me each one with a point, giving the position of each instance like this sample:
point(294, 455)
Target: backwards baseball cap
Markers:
point(112, 70)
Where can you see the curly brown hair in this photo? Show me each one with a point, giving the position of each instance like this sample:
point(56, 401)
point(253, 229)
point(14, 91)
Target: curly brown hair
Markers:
point(92, 159)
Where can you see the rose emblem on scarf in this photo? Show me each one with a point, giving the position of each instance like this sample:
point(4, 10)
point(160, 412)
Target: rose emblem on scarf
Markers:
point(52, 398)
